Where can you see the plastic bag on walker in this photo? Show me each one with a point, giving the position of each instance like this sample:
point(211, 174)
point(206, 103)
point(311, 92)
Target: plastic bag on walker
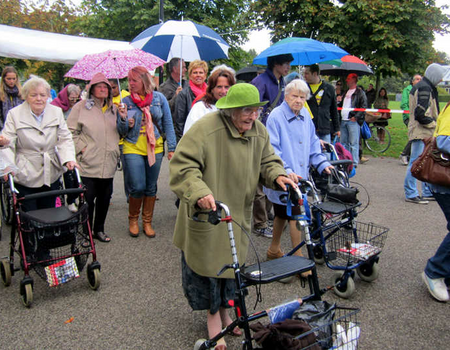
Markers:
point(283, 311)
point(318, 314)
point(6, 167)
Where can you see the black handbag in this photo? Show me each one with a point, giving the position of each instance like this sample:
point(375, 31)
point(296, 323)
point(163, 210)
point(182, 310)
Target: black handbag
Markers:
point(338, 191)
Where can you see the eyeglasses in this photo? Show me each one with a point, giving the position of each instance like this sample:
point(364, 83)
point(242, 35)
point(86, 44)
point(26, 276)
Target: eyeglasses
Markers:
point(74, 99)
point(247, 111)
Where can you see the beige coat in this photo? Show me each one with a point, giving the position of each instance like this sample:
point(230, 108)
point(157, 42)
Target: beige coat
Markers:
point(96, 138)
point(39, 151)
point(417, 131)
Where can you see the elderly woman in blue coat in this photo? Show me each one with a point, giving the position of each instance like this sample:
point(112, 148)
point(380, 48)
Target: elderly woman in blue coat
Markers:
point(149, 120)
point(293, 137)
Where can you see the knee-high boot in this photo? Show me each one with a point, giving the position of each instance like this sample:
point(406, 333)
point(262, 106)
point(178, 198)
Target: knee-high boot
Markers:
point(147, 216)
point(134, 208)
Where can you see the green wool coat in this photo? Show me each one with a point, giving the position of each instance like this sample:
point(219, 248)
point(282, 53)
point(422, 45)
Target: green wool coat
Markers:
point(213, 158)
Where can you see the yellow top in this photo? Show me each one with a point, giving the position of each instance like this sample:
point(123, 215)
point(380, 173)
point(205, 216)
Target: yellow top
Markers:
point(140, 147)
point(443, 122)
point(318, 96)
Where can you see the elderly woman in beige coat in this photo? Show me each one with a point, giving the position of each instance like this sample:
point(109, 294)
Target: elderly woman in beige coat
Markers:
point(93, 123)
point(38, 143)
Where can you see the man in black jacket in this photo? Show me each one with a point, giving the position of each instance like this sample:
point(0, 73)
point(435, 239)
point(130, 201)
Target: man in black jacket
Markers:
point(322, 104)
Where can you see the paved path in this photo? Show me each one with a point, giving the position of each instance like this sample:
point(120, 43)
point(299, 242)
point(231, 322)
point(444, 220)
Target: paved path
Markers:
point(140, 304)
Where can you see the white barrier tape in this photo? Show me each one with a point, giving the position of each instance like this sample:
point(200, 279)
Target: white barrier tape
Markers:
point(373, 110)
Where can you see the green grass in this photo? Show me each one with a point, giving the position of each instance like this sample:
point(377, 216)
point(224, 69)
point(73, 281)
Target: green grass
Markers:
point(398, 131)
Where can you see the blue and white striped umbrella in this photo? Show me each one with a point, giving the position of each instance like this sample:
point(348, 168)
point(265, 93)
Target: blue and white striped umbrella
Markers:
point(184, 39)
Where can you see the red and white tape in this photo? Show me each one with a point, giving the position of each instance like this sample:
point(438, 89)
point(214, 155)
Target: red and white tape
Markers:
point(373, 110)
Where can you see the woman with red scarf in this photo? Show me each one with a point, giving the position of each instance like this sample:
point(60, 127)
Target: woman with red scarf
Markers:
point(197, 73)
point(149, 122)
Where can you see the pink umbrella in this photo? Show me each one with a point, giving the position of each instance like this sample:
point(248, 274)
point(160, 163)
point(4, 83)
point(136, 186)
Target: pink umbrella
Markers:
point(113, 63)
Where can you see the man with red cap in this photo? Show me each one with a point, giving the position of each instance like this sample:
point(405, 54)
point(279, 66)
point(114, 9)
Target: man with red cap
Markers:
point(351, 122)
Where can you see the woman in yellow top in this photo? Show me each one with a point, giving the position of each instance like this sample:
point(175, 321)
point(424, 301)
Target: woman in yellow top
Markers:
point(149, 121)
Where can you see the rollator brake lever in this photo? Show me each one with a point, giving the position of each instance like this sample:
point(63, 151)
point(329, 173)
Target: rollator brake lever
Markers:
point(224, 268)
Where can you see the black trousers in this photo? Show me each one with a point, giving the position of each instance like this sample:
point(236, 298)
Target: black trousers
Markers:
point(98, 197)
point(41, 203)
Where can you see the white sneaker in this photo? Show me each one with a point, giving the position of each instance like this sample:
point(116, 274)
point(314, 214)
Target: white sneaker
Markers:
point(72, 207)
point(437, 287)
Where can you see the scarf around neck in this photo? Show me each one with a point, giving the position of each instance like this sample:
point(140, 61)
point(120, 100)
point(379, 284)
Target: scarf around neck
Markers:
point(196, 89)
point(144, 106)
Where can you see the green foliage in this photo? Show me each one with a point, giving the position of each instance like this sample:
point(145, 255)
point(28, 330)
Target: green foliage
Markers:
point(125, 19)
point(393, 36)
point(57, 17)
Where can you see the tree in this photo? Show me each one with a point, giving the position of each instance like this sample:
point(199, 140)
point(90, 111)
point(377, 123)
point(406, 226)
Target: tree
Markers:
point(56, 17)
point(125, 19)
point(393, 36)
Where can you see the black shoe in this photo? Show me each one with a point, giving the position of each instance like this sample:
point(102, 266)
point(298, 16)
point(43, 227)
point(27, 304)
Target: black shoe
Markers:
point(416, 200)
point(430, 199)
point(102, 237)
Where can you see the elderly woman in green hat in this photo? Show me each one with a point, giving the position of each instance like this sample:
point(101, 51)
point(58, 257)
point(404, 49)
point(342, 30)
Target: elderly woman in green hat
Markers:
point(221, 157)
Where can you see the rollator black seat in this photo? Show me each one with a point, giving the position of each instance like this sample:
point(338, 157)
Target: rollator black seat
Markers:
point(275, 270)
point(50, 215)
point(335, 207)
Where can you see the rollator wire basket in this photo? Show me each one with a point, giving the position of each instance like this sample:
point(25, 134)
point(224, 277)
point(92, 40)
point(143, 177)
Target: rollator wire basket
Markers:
point(356, 243)
point(341, 333)
point(56, 250)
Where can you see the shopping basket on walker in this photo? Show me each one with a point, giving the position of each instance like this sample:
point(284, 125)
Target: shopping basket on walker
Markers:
point(54, 242)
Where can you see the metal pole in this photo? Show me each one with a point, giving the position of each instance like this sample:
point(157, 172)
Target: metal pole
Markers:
point(161, 11)
point(161, 20)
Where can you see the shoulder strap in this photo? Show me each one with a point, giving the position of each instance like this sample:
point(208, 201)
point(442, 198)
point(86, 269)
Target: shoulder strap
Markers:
point(275, 102)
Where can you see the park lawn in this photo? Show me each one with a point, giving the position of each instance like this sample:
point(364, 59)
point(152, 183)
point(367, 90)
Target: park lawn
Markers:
point(398, 131)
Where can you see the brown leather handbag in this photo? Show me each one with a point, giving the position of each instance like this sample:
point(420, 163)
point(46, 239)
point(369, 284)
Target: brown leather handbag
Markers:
point(433, 165)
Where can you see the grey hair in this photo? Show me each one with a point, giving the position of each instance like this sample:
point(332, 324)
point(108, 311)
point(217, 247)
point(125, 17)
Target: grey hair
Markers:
point(73, 88)
point(297, 85)
point(32, 84)
point(173, 63)
point(224, 67)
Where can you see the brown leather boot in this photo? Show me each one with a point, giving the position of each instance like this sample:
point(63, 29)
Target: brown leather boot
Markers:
point(147, 216)
point(134, 208)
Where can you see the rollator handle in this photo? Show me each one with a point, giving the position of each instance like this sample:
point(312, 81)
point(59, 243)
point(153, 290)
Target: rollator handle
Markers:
point(214, 216)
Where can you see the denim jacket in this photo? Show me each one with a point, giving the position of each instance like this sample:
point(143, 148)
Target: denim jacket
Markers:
point(160, 111)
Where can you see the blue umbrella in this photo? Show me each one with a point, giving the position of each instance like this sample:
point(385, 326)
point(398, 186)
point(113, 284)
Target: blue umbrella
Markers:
point(305, 51)
point(184, 39)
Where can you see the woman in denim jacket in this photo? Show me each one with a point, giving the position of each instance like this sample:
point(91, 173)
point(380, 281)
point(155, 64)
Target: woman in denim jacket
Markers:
point(149, 122)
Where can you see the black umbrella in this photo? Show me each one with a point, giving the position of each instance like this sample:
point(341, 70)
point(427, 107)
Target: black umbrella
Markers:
point(349, 64)
point(248, 73)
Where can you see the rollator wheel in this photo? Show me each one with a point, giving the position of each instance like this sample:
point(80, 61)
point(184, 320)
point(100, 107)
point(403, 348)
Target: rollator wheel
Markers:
point(341, 289)
point(5, 270)
point(368, 271)
point(93, 276)
point(319, 257)
point(198, 344)
point(27, 296)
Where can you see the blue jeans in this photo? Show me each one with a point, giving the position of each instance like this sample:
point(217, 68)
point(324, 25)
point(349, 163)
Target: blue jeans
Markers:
point(141, 179)
point(439, 265)
point(326, 138)
point(410, 184)
point(350, 138)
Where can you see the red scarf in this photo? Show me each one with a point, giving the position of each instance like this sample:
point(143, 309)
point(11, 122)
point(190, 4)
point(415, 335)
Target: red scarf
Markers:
point(144, 106)
point(198, 91)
